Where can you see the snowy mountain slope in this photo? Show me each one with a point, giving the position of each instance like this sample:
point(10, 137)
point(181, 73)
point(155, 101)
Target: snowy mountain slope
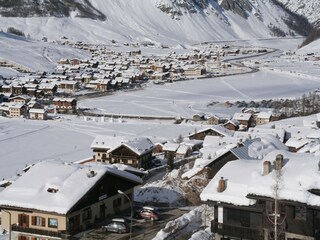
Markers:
point(57, 8)
point(313, 47)
point(188, 21)
point(310, 9)
point(35, 55)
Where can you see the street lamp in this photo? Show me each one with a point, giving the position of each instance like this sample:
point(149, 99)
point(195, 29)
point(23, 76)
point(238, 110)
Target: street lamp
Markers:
point(9, 222)
point(122, 193)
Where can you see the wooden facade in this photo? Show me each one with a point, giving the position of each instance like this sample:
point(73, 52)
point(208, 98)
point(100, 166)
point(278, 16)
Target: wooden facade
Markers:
point(202, 134)
point(297, 221)
point(100, 202)
point(125, 155)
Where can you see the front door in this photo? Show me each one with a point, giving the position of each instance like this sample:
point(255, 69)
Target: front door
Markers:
point(74, 224)
point(102, 211)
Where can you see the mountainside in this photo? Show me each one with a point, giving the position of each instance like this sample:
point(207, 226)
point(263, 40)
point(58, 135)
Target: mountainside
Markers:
point(310, 9)
point(156, 21)
point(46, 8)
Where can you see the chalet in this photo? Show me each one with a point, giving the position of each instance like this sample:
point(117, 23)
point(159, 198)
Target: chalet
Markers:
point(215, 120)
point(212, 131)
point(46, 202)
point(295, 144)
point(244, 203)
point(194, 70)
point(17, 110)
point(6, 89)
point(48, 89)
point(17, 89)
point(158, 148)
point(232, 125)
point(134, 152)
point(183, 151)
point(20, 99)
point(101, 146)
point(262, 118)
point(38, 114)
point(198, 117)
point(244, 119)
point(65, 105)
point(68, 85)
point(100, 84)
point(170, 149)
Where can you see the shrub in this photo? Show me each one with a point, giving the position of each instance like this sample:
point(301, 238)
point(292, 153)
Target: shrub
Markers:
point(15, 31)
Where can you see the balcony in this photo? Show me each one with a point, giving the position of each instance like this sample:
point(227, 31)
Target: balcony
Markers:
point(237, 231)
point(38, 232)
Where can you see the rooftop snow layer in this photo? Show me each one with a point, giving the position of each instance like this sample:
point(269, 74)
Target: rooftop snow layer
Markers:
point(54, 186)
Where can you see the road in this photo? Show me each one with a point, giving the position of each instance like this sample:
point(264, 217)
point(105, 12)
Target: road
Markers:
point(142, 229)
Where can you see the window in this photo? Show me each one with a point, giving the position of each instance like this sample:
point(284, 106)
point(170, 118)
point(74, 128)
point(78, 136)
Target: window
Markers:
point(52, 222)
point(38, 221)
point(87, 214)
point(117, 202)
point(301, 213)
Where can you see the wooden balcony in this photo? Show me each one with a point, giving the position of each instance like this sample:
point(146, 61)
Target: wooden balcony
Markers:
point(237, 231)
point(40, 232)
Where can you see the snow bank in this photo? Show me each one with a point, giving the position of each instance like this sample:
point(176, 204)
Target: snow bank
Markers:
point(184, 224)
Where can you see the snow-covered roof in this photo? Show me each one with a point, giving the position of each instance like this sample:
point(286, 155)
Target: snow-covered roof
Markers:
point(169, 146)
point(296, 142)
point(264, 115)
point(31, 190)
point(106, 142)
point(56, 99)
point(245, 177)
point(138, 145)
point(183, 149)
point(216, 128)
point(242, 116)
point(39, 111)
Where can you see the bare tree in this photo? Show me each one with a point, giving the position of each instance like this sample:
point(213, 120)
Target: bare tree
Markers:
point(275, 217)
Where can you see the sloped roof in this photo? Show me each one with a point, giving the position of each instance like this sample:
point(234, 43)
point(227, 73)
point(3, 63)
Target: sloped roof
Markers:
point(138, 145)
point(31, 189)
point(106, 142)
point(245, 177)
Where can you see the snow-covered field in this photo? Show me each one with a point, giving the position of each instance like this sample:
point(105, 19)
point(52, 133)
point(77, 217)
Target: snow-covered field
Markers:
point(190, 97)
point(33, 54)
point(25, 142)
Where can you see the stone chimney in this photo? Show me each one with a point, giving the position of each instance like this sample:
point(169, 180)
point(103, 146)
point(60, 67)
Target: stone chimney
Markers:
point(266, 167)
point(221, 185)
point(279, 162)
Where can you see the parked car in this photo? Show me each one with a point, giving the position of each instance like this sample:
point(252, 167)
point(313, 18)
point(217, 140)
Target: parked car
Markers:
point(149, 213)
point(117, 225)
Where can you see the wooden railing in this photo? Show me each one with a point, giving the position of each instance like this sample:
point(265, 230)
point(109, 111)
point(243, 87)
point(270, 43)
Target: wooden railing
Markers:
point(237, 231)
point(40, 232)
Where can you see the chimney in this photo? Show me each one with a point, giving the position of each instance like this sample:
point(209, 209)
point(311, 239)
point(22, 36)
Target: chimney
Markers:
point(266, 167)
point(279, 162)
point(221, 185)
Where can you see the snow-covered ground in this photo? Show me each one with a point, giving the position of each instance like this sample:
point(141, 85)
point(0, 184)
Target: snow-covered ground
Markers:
point(25, 142)
point(193, 96)
point(36, 55)
point(189, 222)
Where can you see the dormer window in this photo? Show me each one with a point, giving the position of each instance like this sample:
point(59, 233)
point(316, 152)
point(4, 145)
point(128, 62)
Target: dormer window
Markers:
point(52, 190)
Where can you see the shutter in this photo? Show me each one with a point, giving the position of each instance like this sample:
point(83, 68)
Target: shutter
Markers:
point(27, 220)
point(43, 222)
point(34, 220)
point(20, 220)
point(19, 237)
